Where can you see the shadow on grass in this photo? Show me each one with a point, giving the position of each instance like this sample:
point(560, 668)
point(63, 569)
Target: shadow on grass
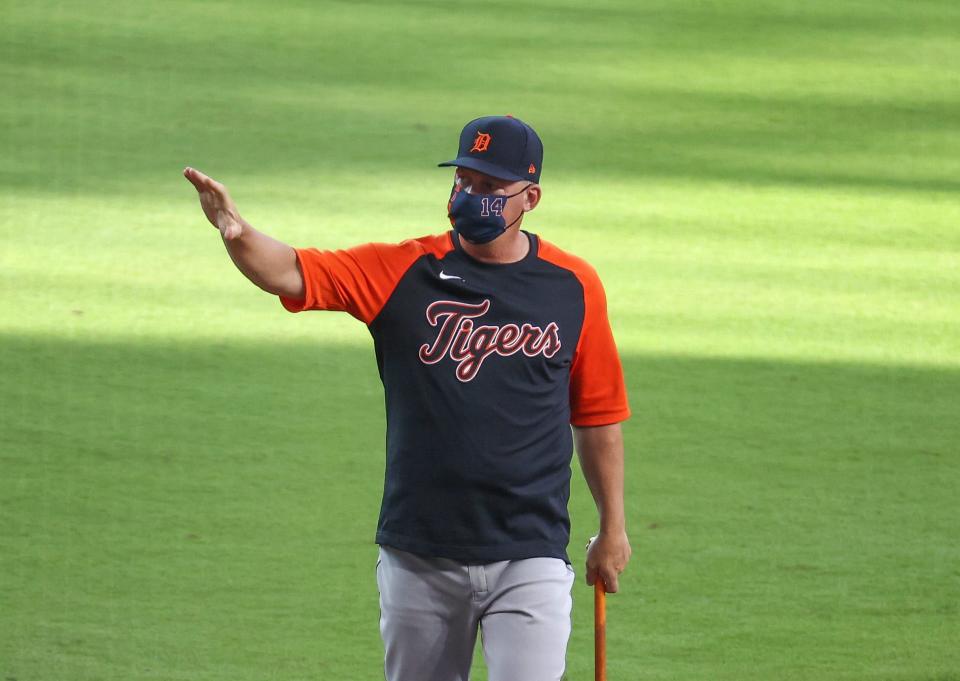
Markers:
point(159, 494)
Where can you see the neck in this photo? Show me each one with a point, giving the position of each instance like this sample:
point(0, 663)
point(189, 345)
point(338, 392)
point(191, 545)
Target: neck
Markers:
point(511, 246)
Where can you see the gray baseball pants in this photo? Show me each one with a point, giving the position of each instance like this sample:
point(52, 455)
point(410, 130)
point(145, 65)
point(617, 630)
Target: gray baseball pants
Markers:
point(431, 608)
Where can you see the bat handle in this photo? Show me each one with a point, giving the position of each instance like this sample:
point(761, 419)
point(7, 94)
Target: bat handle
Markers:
point(600, 630)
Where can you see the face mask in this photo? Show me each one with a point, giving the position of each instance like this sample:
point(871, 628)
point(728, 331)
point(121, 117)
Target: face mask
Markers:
point(478, 218)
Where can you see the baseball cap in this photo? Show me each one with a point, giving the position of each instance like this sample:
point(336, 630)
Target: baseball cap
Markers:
point(501, 146)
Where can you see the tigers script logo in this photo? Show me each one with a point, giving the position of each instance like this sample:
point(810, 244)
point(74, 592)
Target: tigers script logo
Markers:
point(468, 345)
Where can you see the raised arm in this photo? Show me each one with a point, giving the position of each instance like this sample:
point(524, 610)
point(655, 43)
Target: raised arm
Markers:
point(270, 264)
point(600, 449)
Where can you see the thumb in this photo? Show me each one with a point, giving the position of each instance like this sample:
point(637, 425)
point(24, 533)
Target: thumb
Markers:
point(229, 224)
point(231, 231)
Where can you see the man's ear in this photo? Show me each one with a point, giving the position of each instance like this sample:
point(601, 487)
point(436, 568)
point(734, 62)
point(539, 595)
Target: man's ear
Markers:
point(531, 197)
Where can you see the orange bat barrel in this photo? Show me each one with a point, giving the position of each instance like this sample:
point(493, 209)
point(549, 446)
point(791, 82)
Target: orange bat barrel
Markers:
point(600, 630)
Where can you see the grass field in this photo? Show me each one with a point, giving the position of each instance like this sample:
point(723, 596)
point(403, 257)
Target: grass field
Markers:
point(190, 477)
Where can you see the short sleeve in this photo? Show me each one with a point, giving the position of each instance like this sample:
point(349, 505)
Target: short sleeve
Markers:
point(598, 394)
point(356, 280)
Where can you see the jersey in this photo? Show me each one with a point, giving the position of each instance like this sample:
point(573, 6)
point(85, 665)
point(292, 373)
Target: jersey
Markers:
point(484, 368)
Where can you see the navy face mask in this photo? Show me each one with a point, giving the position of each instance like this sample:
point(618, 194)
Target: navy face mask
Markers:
point(478, 218)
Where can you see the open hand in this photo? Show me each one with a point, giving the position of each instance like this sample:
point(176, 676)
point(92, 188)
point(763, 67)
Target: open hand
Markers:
point(217, 205)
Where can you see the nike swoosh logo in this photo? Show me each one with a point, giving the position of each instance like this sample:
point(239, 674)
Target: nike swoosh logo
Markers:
point(449, 276)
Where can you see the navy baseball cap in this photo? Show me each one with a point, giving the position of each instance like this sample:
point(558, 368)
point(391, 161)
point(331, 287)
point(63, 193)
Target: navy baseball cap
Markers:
point(501, 146)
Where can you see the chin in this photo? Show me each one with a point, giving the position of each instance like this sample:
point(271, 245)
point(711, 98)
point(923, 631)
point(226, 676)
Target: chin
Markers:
point(479, 243)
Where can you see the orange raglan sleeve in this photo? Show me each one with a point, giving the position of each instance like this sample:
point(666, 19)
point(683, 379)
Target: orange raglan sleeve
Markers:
point(598, 393)
point(357, 280)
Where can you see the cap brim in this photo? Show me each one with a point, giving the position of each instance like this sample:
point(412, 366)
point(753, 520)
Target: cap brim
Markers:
point(483, 167)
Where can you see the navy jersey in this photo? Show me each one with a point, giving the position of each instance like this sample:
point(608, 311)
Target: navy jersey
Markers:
point(484, 369)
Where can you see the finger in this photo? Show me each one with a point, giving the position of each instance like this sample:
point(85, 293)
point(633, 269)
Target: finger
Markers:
point(591, 575)
point(193, 174)
point(196, 178)
point(202, 182)
point(610, 581)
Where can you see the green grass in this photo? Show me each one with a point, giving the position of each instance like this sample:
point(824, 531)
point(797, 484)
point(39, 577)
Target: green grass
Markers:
point(190, 477)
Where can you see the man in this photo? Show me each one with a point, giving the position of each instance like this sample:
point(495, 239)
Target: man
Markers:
point(490, 343)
